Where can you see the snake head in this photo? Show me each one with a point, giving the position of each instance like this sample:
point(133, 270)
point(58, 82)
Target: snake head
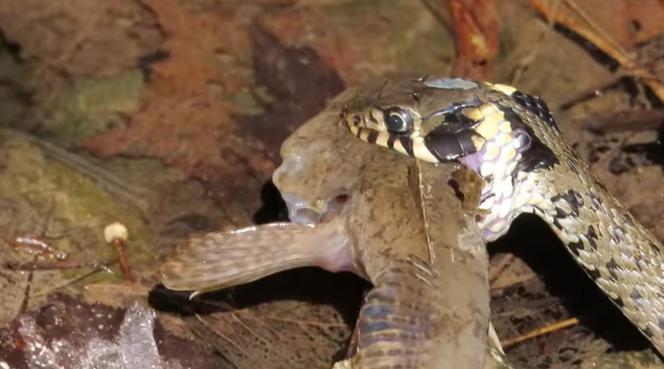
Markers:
point(453, 120)
point(420, 117)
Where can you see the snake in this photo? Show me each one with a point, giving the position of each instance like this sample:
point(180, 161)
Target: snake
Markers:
point(512, 141)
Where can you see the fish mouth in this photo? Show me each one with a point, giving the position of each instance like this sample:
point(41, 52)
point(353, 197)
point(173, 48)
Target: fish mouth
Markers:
point(302, 211)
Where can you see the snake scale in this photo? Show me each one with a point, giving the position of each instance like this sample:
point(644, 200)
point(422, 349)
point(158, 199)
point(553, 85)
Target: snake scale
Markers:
point(512, 141)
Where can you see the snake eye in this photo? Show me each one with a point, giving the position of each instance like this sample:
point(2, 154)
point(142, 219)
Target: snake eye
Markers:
point(397, 120)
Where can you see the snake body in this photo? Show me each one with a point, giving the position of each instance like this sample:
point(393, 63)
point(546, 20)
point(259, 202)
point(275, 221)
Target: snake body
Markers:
point(512, 141)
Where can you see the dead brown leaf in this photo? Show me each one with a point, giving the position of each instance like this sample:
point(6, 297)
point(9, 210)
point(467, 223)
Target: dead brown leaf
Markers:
point(80, 37)
point(184, 117)
point(475, 24)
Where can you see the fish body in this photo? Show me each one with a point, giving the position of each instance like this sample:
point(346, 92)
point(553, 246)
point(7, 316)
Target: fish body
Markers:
point(398, 223)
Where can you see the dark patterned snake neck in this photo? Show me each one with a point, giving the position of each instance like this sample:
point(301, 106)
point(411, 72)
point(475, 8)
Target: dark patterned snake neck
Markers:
point(511, 140)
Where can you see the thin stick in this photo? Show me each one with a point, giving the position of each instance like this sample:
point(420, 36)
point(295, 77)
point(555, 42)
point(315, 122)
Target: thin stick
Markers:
point(540, 331)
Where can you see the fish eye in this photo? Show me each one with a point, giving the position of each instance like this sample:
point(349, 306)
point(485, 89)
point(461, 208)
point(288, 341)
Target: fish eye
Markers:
point(397, 120)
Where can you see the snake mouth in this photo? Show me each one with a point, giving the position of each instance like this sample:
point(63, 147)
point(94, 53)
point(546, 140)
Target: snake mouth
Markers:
point(302, 211)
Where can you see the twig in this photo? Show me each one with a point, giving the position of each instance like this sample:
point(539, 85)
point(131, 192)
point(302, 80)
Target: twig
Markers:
point(625, 121)
point(540, 331)
point(115, 186)
point(600, 39)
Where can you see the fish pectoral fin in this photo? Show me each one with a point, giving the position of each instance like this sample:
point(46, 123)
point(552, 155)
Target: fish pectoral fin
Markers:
point(224, 259)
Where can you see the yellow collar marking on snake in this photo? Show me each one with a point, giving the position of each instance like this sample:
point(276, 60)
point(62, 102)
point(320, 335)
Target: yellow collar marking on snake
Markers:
point(512, 141)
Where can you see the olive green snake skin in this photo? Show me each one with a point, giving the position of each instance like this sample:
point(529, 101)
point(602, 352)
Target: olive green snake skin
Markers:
point(512, 141)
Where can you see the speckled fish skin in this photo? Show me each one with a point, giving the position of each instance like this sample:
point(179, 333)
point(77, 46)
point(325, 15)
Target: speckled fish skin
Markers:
point(429, 307)
point(512, 141)
point(402, 228)
point(413, 241)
